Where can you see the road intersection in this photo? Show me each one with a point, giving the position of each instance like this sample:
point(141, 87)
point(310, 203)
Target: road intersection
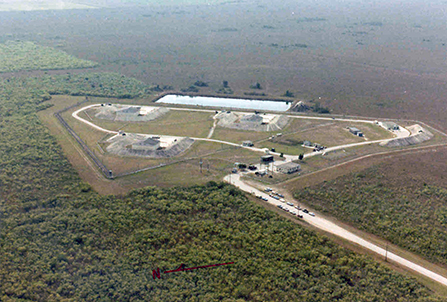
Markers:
point(318, 222)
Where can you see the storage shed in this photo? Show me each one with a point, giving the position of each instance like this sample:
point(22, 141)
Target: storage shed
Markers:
point(267, 159)
point(288, 168)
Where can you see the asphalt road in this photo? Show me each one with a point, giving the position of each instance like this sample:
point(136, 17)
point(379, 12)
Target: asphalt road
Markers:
point(332, 228)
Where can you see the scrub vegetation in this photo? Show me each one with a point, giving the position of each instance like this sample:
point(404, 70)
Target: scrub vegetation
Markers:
point(91, 84)
point(393, 201)
point(26, 55)
point(60, 240)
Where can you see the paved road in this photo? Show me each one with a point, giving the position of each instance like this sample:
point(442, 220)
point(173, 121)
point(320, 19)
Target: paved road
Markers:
point(76, 116)
point(332, 228)
point(263, 150)
point(318, 222)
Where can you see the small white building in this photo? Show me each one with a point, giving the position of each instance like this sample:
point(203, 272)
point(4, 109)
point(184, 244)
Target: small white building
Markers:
point(288, 168)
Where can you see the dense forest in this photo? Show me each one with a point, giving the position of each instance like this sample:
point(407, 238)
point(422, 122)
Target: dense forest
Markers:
point(406, 211)
point(26, 55)
point(60, 241)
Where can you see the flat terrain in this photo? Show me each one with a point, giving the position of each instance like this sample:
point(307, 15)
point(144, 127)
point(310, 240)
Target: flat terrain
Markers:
point(25, 55)
point(400, 198)
point(393, 67)
point(182, 170)
point(177, 123)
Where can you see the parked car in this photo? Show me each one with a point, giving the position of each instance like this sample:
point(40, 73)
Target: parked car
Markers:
point(290, 204)
point(282, 200)
point(305, 211)
point(279, 206)
point(312, 214)
point(267, 189)
point(299, 216)
point(265, 199)
point(280, 195)
point(276, 197)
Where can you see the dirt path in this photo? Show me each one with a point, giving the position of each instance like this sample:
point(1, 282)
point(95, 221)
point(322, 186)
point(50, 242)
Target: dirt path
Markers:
point(214, 127)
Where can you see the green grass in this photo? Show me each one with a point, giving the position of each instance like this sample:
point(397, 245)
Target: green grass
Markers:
point(176, 123)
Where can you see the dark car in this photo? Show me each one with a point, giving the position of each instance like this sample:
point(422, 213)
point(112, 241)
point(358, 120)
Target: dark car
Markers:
point(305, 211)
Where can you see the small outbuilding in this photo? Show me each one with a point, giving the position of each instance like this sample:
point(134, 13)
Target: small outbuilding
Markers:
point(355, 131)
point(267, 159)
point(247, 144)
point(288, 168)
point(307, 144)
point(390, 126)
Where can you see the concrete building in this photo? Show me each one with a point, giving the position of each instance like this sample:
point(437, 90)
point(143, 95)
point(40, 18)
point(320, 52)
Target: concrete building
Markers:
point(390, 126)
point(247, 144)
point(267, 159)
point(148, 144)
point(355, 131)
point(307, 144)
point(288, 168)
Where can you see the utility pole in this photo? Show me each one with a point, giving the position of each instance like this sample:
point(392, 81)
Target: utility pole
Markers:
point(200, 162)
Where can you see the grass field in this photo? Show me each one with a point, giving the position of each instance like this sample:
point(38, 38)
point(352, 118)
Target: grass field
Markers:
point(183, 170)
point(218, 159)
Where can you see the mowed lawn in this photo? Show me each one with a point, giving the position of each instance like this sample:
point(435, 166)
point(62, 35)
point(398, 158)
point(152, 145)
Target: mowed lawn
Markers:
point(176, 123)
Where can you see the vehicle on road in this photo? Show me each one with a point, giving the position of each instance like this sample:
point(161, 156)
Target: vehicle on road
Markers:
point(312, 214)
point(305, 211)
point(282, 200)
point(267, 189)
point(290, 204)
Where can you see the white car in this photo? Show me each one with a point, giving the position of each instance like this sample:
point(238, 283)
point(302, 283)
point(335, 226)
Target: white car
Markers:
point(312, 214)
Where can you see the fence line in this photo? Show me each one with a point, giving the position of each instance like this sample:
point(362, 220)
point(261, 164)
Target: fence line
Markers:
point(107, 173)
